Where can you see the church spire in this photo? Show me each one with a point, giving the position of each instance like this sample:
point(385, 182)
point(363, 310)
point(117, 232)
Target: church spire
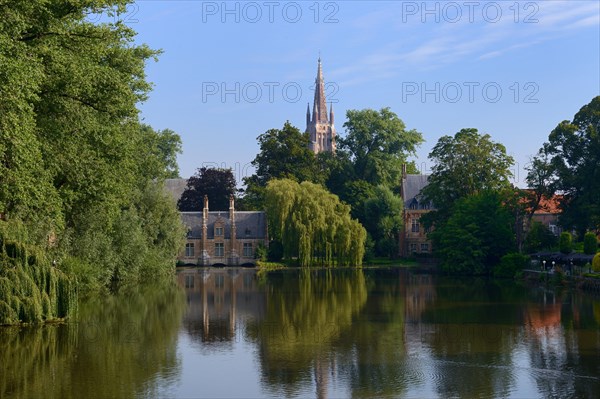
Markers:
point(320, 130)
point(320, 106)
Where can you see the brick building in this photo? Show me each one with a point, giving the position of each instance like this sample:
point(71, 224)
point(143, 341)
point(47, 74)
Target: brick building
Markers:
point(223, 238)
point(413, 238)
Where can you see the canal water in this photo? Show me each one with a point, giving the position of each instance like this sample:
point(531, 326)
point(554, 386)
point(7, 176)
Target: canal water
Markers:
point(296, 333)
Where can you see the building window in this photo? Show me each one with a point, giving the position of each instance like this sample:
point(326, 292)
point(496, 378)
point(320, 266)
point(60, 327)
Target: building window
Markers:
point(248, 249)
point(424, 247)
point(413, 248)
point(189, 250)
point(219, 249)
point(415, 225)
point(247, 232)
point(218, 231)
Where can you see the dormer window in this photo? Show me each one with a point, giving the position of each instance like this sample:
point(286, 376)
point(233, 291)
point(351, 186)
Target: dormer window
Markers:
point(414, 204)
point(218, 231)
point(247, 232)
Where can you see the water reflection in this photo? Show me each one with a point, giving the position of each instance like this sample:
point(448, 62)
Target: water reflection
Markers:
point(218, 300)
point(314, 333)
point(118, 346)
point(390, 333)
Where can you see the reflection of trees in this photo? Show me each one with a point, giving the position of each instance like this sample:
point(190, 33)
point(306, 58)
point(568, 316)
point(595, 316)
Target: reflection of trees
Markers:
point(349, 324)
point(470, 337)
point(376, 340)
point(115, 348)
point(305, 315)
point(562, 334)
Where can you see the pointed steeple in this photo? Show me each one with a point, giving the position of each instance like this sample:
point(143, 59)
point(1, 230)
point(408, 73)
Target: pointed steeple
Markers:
point(321, 131)
point(320, 106)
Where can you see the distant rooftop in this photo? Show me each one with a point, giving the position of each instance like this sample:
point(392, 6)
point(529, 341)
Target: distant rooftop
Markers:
point(411, 188)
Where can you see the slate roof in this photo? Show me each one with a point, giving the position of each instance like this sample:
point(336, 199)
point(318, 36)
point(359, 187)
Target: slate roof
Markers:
point(411, 187)
point(175, 187)
point(251, 225)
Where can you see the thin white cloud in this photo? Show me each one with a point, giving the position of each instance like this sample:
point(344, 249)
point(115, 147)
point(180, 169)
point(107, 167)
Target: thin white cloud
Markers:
point(432, 46)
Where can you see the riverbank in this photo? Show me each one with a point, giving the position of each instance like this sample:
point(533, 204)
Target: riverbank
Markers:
point(587, 282)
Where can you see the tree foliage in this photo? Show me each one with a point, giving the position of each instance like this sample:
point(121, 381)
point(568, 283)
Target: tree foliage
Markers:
point(284, 154)
point(574, 151)
point(76, 166)
point(383, 220)
point(218, 184)
point(475, 236)
point(565, 242)
point(378, 144)
point(590, 243)
point(596, 263)
point(538, 238)
point(465, 164)
point(313, 225)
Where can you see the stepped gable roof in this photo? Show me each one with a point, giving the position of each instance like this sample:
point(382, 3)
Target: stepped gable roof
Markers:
point(250, 225)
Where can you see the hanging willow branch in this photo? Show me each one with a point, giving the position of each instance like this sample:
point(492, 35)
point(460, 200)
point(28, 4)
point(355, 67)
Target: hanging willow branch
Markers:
point(313, 225)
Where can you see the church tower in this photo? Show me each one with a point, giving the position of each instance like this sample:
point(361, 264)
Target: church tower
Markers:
point(320, 128)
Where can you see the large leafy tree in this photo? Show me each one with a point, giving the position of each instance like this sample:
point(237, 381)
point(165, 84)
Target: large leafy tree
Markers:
point(383, 220)
point(76, 165)
point(464, 164)
point(378, 144)
point(476, 235)
point(366, 171)
point(284, 154)
point(217, 184)
point(574, 148)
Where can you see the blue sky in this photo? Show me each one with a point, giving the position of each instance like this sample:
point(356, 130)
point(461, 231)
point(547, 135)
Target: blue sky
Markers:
point(232, 70)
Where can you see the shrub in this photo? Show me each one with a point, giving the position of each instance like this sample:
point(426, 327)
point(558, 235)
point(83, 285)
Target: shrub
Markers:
point(566, 242)
point(590, 243)
point(596, 263)
point(261, 253)
point(510, 265)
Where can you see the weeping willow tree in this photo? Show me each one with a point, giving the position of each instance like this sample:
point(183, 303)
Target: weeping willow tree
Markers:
point(313, 225)
point(31, 289)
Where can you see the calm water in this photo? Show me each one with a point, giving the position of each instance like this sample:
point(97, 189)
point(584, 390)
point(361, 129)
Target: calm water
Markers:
point(372, 333)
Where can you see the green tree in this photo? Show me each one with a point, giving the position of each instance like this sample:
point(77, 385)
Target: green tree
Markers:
point(284, 154)
point(76, 165)
point(539, 237)
point(313, 225)
point(590, 243)
point(574, 147)
point(475, 236)
point(566, 242)
point(378, 144)
point(217, 184)
point(464, 165)
point(383, 220)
